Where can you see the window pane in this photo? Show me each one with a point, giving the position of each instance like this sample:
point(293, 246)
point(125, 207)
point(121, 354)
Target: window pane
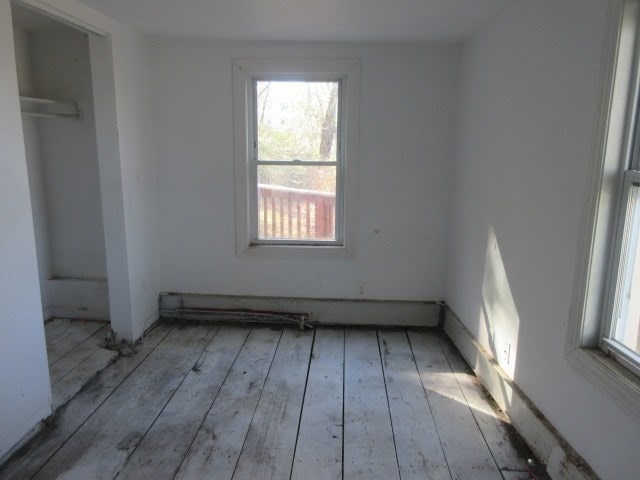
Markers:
point(627, 321)
point(296, 202)
point(297, 120)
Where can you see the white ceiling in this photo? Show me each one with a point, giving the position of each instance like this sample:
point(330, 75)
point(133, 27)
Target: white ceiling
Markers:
point(306, 20)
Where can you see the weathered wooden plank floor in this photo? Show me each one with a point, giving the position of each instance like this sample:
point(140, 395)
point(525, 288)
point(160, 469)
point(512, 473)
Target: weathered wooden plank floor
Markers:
point(75, 355)
point(239, 402)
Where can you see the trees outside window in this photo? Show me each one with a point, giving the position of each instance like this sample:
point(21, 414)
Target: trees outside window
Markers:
point(296, 143)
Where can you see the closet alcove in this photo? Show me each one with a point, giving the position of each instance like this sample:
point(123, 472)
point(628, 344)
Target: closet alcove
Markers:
point(56, 99)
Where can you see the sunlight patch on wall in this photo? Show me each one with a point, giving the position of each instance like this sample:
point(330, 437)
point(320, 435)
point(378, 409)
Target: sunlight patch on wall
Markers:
point(499, 319)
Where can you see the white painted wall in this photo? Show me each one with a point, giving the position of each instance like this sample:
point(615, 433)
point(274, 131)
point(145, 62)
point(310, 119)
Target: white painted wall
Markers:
point(406, 135)
point(61, 71)
point(131, 57)
point(127, 178)
point(527, 120)
point(62, 163)
point(124, 140)
point(38, 201)
point(23, 53)
point(25, 393)
point(30, 127)
point(527, 114)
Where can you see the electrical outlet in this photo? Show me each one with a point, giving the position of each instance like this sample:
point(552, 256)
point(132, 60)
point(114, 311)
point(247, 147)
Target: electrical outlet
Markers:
point(362, 289)
point(506, 353)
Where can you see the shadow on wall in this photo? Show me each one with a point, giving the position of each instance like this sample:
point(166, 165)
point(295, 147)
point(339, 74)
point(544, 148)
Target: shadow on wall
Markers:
point(498, 316)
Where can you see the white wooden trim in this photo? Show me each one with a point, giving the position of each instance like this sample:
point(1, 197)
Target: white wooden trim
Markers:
point(77, 298)
point(611, 377)
point(59, 13)
point(609, 153)
point(561, 460)
point(596, 222)
point(243, 72)
point(111, 185)
point(320, 310)
point(56, 311)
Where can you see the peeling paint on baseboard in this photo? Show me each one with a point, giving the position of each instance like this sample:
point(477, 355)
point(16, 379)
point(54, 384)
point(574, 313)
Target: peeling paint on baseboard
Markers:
point(561, 460)
point(325, 311)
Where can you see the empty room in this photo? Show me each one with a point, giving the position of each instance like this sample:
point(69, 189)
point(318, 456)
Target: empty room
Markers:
point(316, 240)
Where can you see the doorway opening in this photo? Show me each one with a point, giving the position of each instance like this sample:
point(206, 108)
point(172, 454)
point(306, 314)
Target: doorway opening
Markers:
point(54, 70)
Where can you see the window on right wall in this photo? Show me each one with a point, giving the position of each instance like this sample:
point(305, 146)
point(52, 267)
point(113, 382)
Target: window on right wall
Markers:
point(604, 326)
point(619, 335)
point(621, 329)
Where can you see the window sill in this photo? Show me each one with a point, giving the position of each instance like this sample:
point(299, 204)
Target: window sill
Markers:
point(611, 377)
point(295, 251)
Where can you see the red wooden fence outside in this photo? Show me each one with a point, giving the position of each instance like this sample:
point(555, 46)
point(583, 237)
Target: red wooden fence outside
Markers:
point(292, 213)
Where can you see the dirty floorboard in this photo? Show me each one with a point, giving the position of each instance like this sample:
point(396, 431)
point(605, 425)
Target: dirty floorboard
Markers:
point(75, 354)
point(240, 402)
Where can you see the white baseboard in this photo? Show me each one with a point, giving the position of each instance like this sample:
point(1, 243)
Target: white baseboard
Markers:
point(322, 311)
point(561, 460)
point(81, 298)
point(81, 313)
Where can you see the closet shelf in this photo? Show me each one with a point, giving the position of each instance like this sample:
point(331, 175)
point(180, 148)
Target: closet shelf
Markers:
point(43, 107)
